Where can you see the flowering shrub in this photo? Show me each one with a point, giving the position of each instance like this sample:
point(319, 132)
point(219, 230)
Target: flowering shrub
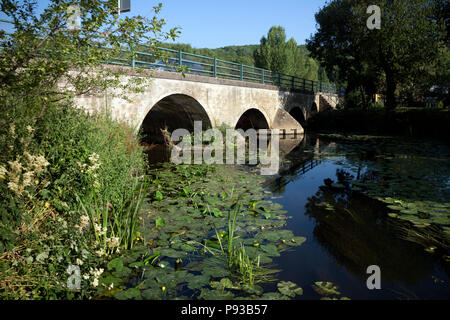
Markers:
point(59, 177)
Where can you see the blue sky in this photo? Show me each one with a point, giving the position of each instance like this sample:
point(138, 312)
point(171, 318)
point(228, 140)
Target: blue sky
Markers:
point(217, 23)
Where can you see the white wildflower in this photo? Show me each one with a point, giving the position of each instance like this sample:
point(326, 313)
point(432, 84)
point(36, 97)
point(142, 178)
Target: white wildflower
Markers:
point(93, 158)
point(79, 262)
point(40, 163)
point(3, 172)
point(30, 129)
point(112, 242)
point(96, 272)
point(15, 187)
point(84, 221)
point(95, 282)
point(16, 167)
point(27, 178)
point(100, 252)
point(98, 228)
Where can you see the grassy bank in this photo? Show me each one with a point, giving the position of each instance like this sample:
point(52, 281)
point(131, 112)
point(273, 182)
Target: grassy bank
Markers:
point(430, 123)
point(71, 185)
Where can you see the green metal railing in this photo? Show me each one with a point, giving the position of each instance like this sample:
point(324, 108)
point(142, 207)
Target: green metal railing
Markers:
point(216, 68)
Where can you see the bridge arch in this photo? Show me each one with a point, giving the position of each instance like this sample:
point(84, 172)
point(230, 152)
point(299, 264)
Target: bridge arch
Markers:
point(252, 118)
point(298, 115)
point(174, 111)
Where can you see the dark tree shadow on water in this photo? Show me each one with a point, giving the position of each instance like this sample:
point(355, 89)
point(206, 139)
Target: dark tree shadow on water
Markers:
point(355, 230)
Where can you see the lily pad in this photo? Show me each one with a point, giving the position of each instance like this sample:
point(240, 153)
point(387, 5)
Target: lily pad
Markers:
point(289, 289)
point(325, 288)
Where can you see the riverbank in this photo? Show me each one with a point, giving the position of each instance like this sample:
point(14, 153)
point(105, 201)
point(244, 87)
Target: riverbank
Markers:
point(71, 185)
point(417, 122)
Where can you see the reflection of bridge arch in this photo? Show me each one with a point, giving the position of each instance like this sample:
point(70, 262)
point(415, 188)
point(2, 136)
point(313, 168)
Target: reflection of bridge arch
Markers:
point(293, 173)
point(175, 111)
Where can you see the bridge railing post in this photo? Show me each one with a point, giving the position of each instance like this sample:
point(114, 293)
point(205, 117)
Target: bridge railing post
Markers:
point(180, 58)
point(262, 76)
point(279, 79)
point(215, 68)
point(241, 71)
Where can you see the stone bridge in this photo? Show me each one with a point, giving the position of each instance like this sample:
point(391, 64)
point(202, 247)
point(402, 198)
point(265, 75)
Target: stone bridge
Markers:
point(172, 101)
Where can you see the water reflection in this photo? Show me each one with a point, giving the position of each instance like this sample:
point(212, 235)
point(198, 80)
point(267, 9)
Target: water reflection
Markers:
point(349, 231)
point(357, 235)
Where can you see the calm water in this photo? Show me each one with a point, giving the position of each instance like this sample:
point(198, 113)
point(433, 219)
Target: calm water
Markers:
point(343, 242)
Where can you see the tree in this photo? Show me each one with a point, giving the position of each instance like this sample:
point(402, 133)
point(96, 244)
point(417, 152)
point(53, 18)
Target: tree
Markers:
point(401, 53)
point(272, 53)
point(287, 57)
point(46, 60)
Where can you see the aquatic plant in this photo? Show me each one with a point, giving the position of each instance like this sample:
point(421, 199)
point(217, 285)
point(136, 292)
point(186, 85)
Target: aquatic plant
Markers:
point(114, 227)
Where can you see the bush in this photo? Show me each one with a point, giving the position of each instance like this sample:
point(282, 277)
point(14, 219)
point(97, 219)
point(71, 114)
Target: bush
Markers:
point(52, 172)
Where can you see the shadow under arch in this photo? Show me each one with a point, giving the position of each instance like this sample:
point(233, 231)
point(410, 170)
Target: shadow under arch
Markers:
point(314, 108)
point(175, 111)
point(298, 115)
point(252, 119)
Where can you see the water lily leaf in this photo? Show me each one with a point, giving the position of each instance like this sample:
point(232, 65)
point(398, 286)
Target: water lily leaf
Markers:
point(295, 241)
point(325, 288)
point(271, 250)
point(274, 296)
point(128, 294)
point(395, 208)
point(207, 294)
point(224, 283)
point(172, 253)
point(198, 282)
point(289, 289)
point(152, 294)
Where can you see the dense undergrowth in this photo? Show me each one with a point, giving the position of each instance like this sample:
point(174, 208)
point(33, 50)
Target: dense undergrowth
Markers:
point(413, 122)
point(71, 185)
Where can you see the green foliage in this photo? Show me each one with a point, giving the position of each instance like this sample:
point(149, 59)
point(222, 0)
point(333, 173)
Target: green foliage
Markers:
point(44, 167)
point(277, 54)
point(238, 54)
point(103, 35)
point(396, 59)
point(299, 63)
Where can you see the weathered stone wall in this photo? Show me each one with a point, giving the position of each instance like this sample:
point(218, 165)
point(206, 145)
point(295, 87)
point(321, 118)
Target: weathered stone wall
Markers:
point(224, 101)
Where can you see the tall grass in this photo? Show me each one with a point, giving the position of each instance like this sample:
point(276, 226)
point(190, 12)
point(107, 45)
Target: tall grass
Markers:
point(70, 185)
point(114, 227)
point(237, 258)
